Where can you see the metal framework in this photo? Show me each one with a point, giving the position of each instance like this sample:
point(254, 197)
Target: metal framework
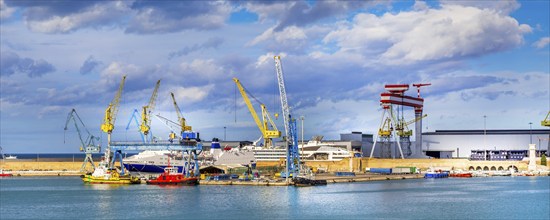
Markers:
point(88, 143)
point(292, 154)
point(267, 126)
point(133, 118)
point(191, 148)
point(146, 112)
point(395, 95)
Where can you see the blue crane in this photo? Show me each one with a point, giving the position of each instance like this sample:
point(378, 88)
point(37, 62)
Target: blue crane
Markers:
point(292, 155)
point(88, 141)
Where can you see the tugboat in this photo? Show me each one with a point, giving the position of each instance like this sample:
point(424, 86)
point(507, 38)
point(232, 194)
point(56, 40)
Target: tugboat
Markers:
point(104, 175)
point(172, 177)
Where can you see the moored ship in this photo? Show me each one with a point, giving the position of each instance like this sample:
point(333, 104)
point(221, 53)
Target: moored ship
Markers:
point(171, 176)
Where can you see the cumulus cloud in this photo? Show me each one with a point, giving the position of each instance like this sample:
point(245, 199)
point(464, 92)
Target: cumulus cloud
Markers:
point(542, 42)
point(173, 16)
point(453, 31)
point(192, 94)
point(302, 13)
point(5, 11)
point(89, 65)
point(501, 7)
point(11, 63)
point(67, 16)
point(214, 42)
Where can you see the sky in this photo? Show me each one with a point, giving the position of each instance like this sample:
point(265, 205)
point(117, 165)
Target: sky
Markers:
point(483, 58)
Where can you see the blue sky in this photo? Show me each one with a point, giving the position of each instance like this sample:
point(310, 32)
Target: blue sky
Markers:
point(482, 57)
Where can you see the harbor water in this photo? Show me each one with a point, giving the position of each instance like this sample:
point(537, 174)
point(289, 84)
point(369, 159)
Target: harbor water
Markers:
point(450, 198)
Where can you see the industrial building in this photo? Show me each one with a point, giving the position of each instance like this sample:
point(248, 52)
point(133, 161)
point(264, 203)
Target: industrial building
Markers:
point(462, 143)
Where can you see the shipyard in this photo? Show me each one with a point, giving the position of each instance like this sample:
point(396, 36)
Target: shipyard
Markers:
point(322, 109)
point(183, 158)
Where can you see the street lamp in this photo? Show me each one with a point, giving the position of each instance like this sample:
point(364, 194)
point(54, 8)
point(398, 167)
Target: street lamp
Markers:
point(485, 134)
point(224, 133)
point(302, 118)
point(530, 133)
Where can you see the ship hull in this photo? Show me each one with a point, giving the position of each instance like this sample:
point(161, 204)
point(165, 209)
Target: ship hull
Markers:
point(185, 181)
point(119, 180)
point(133, 167)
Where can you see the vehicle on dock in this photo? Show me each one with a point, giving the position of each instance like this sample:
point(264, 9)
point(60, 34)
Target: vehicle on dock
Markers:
point(105, 175)
point(171, 176)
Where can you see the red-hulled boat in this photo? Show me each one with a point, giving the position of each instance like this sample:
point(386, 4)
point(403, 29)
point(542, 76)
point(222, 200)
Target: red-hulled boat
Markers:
point(4, 174)
point(460, 175)
point(172, 177)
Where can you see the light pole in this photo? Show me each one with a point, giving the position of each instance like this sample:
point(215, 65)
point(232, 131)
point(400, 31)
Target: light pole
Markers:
point(485, 134)
point(530, 133)
point(224, 133)
point(302, 118)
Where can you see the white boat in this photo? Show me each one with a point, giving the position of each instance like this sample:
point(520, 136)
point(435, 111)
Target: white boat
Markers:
point(314, 150)
point(11, 157)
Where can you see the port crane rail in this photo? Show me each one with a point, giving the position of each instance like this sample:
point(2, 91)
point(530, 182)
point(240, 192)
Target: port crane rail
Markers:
point(191, 148)
point(292, 153)
point(267, 126)
point(88, 143)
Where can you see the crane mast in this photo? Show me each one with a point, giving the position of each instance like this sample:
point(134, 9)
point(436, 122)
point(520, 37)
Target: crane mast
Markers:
point(109, 120)
point(181, 119)
point(187, 135)
point(88, 143)
point(292, 154)
point(147, 110)
point(268, 133)
point(112, 110)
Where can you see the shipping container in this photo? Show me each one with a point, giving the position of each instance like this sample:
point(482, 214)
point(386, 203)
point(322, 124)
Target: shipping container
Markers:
point(381, 170)
point(344, 173)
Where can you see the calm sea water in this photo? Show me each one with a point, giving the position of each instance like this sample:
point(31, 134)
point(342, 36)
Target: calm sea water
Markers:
point(475, 198)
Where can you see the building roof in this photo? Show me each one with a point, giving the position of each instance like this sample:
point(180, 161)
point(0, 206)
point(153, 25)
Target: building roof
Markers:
point(489, 132)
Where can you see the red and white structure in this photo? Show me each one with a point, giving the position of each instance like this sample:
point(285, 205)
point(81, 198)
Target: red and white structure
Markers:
point(395, 95)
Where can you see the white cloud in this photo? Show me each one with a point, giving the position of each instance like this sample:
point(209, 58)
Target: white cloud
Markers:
point(47, 110)
point(501, 6)
point(291, 33)
point(96, 15)
point(203, 69)
point(453, 31)
point(5, 11)
point(192, 94)
point(542, 42)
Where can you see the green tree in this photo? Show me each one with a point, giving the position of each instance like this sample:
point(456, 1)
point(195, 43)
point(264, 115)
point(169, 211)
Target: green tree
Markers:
point(543, 160)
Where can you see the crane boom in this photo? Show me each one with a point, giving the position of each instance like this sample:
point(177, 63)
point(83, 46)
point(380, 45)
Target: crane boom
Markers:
point(112, 110)
point(267, 133)
point(88, 142)
point(147, 110)
point(292, 154)
point(181, 119)
point(546, 121)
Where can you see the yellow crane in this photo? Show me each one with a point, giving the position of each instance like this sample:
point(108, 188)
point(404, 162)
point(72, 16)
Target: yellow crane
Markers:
point(403, 127)
point(546, 121)
point(147, 110)
point(111, 111)
point(181, 119)
point(267, 126)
